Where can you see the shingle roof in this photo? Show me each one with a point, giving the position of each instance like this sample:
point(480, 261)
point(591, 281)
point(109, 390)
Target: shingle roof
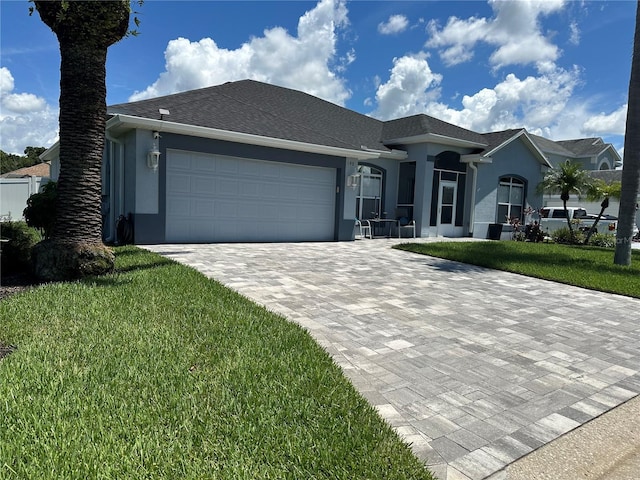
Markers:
point(257, 108)
point(421, 124)
point(495, 139)
point(252, 107)
point(584, 146)
point(549, 146)
point(38, 170)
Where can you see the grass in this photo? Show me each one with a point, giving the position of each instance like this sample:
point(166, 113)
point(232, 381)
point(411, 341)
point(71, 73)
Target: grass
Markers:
point(156, 372)
point(588, 267)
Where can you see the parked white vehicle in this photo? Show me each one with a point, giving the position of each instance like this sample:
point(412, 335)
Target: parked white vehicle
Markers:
point(554, 218)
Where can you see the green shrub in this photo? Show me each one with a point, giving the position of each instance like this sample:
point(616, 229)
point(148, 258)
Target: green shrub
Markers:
point(563, 235)
point(16, 252)
point(41, 209)
point(607, 240)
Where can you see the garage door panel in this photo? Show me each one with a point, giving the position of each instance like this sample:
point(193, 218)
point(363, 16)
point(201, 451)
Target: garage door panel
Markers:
point(290, 193)
point(180, 161)
point(226, 187)
point(227, 166)
point(177, 207)
point(179, 184)
point(202, 185)
point(222, 199)
point(250, 188)
point(225, 210)
point(203, 208)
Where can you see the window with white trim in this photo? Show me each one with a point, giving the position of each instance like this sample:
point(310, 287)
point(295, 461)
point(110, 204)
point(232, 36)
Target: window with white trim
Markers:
point(369, 193)
point(510, 199)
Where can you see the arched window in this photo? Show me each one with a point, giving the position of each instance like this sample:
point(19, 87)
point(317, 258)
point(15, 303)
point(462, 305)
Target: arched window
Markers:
point(510, 199)
point(604, 164)
point(369, 196)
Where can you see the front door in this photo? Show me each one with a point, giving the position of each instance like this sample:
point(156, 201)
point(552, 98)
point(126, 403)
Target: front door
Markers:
point(447, 209)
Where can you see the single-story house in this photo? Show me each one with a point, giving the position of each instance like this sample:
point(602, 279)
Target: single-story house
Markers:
point(251, 162)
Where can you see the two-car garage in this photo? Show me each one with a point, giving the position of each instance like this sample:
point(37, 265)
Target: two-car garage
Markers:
point(214, 198)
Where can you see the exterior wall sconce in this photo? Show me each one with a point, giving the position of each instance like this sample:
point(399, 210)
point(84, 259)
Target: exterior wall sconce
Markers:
point(153, 157)
point(353, 181)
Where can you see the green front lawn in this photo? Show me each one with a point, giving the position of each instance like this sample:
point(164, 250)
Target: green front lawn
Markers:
point(156, 372)
point(588, 267)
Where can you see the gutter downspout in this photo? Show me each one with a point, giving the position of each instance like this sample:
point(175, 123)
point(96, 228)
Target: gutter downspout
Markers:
point(472, 215)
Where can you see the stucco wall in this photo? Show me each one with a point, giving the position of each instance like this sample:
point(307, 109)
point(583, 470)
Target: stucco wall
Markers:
point(145, 190)
point(516, 160)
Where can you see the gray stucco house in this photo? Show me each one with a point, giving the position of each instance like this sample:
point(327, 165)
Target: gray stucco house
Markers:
point(251, 162)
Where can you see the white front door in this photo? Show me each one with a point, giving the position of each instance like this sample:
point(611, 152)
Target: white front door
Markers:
point(447, 209)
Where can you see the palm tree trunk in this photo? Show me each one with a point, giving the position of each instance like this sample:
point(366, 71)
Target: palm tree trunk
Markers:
point(566, 215)
point(85, 30)
point(82, 115)
point(603, 206)
point(594, 227)
point(631, 164)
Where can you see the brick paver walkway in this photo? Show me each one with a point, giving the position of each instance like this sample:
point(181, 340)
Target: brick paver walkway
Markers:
point(475, 368)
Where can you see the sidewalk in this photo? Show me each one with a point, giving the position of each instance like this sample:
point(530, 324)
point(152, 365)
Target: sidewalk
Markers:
point(607, 448)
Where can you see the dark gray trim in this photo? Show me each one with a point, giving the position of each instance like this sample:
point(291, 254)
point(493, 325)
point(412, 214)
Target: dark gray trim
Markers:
point(343, 229)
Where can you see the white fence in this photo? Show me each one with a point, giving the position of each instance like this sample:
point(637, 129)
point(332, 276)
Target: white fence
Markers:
point(14, 193)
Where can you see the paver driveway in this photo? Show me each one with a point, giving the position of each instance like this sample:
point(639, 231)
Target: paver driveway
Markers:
point(475, 368)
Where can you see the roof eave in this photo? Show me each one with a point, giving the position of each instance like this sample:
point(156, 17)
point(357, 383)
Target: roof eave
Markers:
point(50, 153)
point(120, 122)
point(531, 145)
point(393, 154)
point(435, 138)
point(475, 158)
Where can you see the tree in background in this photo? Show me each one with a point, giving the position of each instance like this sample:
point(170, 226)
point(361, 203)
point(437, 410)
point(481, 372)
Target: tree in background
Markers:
point(631, 162)
point(85, 30)
point(569, 179)
point(10, 162)
point(604, 191)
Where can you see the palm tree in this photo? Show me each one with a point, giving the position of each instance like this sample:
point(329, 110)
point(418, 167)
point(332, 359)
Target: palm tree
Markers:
point(569, 179)
point(605, 191)
point(85, 30)
point(631, 162)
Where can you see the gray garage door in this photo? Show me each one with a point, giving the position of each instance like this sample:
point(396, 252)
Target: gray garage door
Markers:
point(213, 198)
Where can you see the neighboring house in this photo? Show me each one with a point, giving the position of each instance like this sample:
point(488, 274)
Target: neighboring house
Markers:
point(247, 161)
point(607, 176)
point(17, 186)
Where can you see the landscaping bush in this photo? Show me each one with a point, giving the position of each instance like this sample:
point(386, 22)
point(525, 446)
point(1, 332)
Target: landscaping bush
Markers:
point(563, 236)
point(41, 209)
point(606, 240)
point(16, 252)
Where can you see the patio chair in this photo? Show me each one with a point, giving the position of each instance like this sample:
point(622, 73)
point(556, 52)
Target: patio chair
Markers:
point(403, 222)
point(365, 228)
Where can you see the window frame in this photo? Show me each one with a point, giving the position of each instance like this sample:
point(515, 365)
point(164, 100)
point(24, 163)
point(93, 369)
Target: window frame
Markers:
point(510, 181)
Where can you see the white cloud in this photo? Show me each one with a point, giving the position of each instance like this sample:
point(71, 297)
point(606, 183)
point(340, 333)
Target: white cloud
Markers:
point(6, 81)
point(574, 37)
point(533, 102)
point(25, 119)
point(306, 61)
point(410, 88)
point(613, 123)
point(395, 24)
point(514, 30)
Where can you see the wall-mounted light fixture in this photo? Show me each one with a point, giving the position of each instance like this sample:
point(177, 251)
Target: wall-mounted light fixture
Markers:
point(153, 157)
point(353, 180)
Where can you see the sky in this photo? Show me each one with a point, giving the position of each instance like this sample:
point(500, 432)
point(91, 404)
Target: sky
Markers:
point(557, 68)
